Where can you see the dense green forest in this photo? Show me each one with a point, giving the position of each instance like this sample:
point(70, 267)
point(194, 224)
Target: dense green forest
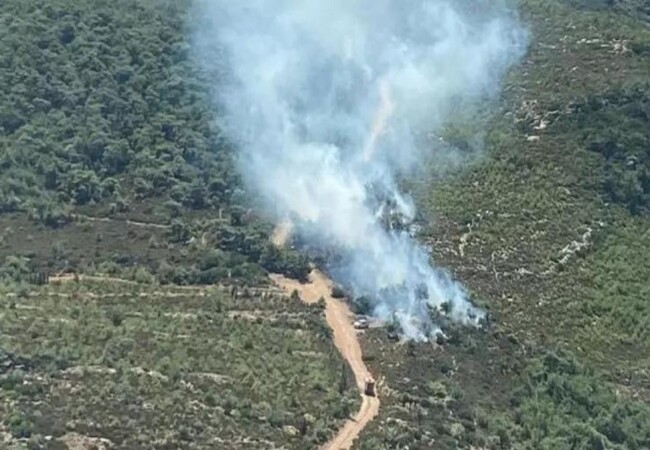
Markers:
point(104, 113)
point(112, 164)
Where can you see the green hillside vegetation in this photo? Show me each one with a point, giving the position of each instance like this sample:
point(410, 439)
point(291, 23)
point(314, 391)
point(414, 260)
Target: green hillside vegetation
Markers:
point(112, 164)
point(491, 391)
point(149, 366)
point(103, 113)
point(550, 230)
point(558, 208)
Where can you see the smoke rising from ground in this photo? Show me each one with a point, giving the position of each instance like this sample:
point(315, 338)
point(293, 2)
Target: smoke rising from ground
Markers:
point(328, 101)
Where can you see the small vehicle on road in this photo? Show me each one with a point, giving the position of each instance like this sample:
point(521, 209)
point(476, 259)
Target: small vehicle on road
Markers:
point(361, 324)
point(369, 388)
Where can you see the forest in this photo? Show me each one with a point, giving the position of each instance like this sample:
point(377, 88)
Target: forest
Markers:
point(108, 116)
point(115, 173)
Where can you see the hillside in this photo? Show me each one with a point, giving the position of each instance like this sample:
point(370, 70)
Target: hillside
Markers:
point(125, 365)
point(550, 229)
point(103, 114)
point(113, 164)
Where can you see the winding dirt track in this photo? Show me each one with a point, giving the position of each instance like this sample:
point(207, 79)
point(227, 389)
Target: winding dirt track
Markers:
point(135, 223)
point(339, 319)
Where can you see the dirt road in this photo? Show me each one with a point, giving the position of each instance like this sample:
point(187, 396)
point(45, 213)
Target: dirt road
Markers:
point(67, 277)
point(135, 223)
point(339, 318)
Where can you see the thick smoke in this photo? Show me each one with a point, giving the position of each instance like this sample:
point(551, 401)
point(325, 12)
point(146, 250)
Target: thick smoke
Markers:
point(329, 101)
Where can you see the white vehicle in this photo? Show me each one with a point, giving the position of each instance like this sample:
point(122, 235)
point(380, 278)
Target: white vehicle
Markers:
point(361, 324)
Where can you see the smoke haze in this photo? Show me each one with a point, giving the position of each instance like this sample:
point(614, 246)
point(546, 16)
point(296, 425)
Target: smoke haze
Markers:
point(328, 101)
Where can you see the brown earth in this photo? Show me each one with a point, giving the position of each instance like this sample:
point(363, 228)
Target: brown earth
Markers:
point(339, 318)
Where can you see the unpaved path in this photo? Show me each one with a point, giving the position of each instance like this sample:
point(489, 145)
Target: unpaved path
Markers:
point(68, 277)
point(339, 319)
point(135, 223)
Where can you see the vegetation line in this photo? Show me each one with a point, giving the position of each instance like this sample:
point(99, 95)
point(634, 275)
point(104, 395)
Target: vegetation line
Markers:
point(135, 223)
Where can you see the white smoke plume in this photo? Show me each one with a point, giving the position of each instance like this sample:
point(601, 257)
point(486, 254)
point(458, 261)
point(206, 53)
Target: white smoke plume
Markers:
point(328, 101)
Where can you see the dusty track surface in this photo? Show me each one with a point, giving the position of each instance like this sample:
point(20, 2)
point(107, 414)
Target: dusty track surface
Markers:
point(339, 319)
point(135, 223)
point(68, 277)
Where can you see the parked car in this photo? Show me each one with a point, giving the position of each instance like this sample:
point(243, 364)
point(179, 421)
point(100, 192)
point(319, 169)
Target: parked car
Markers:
point(361, 324)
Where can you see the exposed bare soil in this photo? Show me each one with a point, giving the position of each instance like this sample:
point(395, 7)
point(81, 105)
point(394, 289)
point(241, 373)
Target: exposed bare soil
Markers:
point(339, 319)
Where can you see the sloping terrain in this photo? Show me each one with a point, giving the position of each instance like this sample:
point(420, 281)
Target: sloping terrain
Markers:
point(103, 114)
point(140, 366)
point(339, 319)
point(549, 230)
point(112, 164)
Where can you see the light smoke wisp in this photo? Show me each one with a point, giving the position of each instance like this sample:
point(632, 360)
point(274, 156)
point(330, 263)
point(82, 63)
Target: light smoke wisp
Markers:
point(328, 99)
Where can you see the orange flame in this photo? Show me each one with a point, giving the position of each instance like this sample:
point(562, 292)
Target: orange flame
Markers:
point(382, 115)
